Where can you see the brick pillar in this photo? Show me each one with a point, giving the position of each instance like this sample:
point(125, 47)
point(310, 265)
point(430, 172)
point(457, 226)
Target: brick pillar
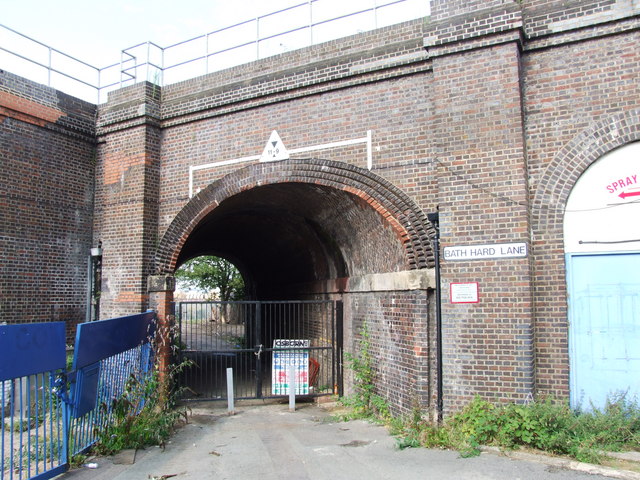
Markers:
point(483, 197)
point(127, 185)
point(161, 288)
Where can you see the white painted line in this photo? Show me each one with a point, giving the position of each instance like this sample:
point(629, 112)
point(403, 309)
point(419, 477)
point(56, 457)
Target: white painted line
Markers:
point(216, 164)
point(369, 151)
point(325, 146)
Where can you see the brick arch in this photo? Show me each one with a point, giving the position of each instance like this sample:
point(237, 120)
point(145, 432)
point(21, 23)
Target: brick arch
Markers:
point(400, 212)
point(560, 176)
point(547, 217)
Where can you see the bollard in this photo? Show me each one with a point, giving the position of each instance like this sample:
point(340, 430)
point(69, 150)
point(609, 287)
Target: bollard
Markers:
point(231, 407)
point(292, 387)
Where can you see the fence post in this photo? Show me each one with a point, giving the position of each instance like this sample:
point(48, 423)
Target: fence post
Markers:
point(161, 289)
point(230, 399)
point(292, 386)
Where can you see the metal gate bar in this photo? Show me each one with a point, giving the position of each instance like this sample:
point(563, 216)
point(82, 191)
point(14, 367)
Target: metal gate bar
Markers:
point(217, 335)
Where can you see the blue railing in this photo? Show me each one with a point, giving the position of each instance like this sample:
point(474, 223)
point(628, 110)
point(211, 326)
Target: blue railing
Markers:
point(49, 414)
point(33, 418)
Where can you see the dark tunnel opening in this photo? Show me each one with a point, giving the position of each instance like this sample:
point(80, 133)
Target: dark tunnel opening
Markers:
point(287, 235)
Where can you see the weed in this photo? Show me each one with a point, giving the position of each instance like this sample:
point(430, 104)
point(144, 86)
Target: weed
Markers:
point(236, 340)
point(545, 425)
point(145, 414)
point(409, 441)
point(138, 417)
point(364, 402)
point(77, 460)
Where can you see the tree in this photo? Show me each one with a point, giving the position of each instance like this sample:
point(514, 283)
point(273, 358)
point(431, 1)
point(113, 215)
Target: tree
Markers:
point(209, 274)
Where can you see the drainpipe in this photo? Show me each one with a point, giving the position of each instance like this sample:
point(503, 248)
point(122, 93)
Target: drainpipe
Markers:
point(434, 218)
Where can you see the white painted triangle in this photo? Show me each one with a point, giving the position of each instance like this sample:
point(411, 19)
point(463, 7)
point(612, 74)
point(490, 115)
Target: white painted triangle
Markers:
point(274, 150)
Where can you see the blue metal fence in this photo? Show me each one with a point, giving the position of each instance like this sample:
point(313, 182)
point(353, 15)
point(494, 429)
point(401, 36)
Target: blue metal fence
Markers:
point(33, 419)
point(49, 414)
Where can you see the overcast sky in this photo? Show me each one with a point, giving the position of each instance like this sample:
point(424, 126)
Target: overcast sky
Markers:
point(96, 31)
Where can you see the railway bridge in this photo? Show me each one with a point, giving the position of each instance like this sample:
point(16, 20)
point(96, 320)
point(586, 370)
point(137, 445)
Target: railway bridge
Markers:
point(460, 183)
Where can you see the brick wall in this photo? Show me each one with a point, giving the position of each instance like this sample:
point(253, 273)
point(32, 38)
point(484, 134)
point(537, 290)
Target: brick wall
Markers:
point(483, 200)
point(401, 339)
point(47, 157)
point(544, 17)
point(468, 125)
point(448, 9)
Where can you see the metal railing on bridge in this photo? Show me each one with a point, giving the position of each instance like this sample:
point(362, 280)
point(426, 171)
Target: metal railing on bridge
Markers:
point(308, 22)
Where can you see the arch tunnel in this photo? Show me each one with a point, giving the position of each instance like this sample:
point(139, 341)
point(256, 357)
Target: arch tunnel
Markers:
point(317, 230)
point(291, 227)
point(286, 238)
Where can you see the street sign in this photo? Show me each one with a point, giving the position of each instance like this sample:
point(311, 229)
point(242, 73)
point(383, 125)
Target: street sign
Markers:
point(482, 252)
point(290, 352)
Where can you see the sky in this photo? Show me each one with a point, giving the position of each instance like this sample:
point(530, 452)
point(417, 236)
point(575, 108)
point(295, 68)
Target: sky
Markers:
point(96, 32)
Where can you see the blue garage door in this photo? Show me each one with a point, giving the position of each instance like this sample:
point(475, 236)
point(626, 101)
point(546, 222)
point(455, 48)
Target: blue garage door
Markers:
point(604, 332)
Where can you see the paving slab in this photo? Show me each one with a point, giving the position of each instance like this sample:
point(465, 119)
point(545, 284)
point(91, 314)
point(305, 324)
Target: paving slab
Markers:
point(268, 442)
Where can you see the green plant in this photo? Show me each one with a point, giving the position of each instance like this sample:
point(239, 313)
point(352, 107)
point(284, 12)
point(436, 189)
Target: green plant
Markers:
point(364, 402)
point(77, 460)
point(477, 421)
point(208, 274)
point(546, 425)
point(408, 441)
point(408, 430)
point(237, 340)
point(69, 359)
point(146, 412)
point(33, 448)
point(138, 418)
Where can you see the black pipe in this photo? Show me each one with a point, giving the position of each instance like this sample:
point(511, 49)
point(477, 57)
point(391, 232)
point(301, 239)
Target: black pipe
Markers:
point(434, 218)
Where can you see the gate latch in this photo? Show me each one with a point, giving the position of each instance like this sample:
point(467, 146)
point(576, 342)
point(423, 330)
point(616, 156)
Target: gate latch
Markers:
point(259, 352)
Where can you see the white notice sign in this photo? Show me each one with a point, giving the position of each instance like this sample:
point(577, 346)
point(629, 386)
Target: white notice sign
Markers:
point(480, 252)
point(288, 352)
point(464, 292)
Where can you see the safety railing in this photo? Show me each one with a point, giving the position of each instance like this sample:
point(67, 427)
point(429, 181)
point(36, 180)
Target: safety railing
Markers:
point(49, 414)
point(307, 23)
point(32, 59)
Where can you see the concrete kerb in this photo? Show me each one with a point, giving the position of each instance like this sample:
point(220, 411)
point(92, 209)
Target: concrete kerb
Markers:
point(568, 464)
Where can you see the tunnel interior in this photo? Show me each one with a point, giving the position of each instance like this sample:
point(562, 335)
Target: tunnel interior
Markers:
point(291, 238)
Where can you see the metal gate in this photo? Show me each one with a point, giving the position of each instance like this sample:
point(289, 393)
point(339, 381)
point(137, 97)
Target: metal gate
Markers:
point(215, 336)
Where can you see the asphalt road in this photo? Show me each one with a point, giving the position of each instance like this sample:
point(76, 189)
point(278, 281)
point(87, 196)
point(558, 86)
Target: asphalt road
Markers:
point(269, 442)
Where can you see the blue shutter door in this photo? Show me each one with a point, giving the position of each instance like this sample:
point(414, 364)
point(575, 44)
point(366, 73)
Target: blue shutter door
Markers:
point(604, 329)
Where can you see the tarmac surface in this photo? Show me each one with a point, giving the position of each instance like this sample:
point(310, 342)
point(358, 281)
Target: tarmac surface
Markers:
point(268, 442)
